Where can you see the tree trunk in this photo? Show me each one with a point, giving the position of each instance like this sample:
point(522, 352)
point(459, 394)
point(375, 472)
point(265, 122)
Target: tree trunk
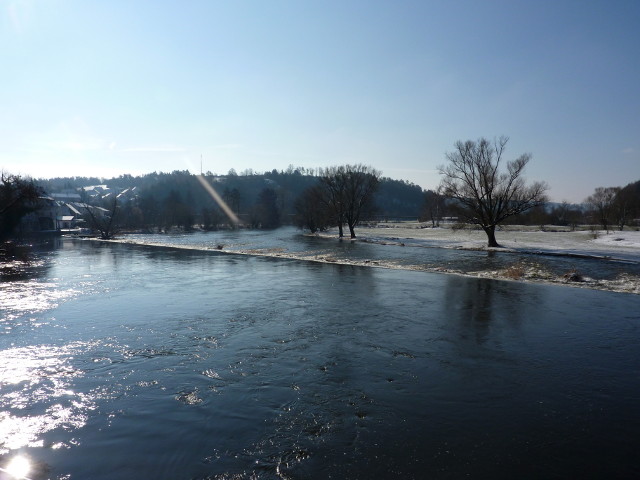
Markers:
point(340, 232)
point(352, 231)
point(491, 235)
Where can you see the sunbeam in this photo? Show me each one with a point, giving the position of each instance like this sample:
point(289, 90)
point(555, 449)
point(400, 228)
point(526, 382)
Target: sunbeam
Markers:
point(223, 205)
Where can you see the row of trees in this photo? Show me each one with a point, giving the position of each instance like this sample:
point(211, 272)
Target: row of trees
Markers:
point(18, 197)
point(615, 205)
point(394, 198)
point(339, 195)
point(478, 186)
point(178, 199)
point(475, 188)
point(174, 211)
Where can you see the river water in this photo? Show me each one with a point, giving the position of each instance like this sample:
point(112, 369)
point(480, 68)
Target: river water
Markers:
point(395, 253)
point(122, 361)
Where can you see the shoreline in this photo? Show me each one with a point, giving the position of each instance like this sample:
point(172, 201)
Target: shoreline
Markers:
point(520, 271)
point(611, 246)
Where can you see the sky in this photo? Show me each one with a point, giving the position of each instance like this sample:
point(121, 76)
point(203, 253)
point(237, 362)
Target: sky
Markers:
point(105, 88)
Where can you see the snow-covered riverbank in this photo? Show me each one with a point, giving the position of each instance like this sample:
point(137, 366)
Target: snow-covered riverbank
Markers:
point(623, 247)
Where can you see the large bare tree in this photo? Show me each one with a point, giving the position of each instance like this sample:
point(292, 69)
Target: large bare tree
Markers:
point(483, 194)
point(360, 185)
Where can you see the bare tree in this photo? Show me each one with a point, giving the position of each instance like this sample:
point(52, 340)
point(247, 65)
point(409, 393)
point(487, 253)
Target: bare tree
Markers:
point(433, 207)
point(602, 201)
point(361, 183)
point(333, 182)
point(483, 194)
point(350, 190)
point(623, 207)
point(104, 223)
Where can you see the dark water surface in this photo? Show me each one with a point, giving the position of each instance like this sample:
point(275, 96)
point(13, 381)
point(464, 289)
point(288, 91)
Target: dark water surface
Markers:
point(131, 362)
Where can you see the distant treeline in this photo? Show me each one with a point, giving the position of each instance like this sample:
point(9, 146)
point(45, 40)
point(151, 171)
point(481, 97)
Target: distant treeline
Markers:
point(179, 199)
point(164, 200)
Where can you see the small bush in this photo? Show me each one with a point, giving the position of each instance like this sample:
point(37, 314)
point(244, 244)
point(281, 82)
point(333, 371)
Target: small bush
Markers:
point(573, 276)
point(515, 272)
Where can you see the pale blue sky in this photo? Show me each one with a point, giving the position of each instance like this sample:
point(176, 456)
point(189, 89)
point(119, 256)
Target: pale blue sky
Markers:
point(102, 88)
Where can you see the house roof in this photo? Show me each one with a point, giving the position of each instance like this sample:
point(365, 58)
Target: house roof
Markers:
point(66, 196)
point(73, 209)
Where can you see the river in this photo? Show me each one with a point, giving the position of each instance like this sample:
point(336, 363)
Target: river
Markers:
point(122, 361)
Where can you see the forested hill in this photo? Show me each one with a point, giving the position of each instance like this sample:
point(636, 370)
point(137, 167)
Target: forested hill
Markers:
point(152, 192)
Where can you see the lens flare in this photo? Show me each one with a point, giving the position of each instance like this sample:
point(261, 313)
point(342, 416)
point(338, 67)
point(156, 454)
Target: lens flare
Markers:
point(223, 205)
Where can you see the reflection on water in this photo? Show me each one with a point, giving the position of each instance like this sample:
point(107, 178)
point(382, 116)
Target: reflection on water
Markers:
point(146, 362)
point(476, 306)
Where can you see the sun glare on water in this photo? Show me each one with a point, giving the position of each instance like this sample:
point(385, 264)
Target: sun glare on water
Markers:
point(37, 395)
point(18, 468)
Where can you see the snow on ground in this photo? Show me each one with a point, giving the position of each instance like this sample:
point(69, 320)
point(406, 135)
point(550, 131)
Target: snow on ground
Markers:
point(619, 239)
point(626, 243)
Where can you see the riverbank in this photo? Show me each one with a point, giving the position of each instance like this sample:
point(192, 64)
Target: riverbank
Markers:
point(622, 247)
point(582, 259)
